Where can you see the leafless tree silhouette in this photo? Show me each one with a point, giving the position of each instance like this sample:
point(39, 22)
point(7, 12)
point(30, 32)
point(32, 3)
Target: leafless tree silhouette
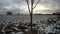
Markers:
point(31, 8)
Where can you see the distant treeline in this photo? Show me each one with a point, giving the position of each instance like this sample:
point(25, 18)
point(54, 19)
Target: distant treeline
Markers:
point(56, 13)
point(10, 13)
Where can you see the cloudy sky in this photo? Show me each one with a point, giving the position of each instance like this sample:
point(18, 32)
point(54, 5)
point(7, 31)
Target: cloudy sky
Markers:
point(15, 6)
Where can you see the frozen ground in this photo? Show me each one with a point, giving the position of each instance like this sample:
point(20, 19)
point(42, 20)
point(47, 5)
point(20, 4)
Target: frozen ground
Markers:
point(45, 23)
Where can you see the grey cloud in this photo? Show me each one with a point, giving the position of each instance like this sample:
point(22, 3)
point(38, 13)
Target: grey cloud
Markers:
point(19, 2)
point(15, 10)
point(3, 10)
point(50, 2)
point(5, 3)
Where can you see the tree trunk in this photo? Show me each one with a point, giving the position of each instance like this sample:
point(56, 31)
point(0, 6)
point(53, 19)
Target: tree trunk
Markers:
point(31, 14)
point(31, 20)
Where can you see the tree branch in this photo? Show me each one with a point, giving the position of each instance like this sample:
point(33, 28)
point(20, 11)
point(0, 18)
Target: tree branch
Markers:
point(28, 5)
point(36, 4)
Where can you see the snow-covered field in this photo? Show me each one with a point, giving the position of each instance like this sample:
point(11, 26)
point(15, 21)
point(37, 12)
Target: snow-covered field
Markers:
point(24, 18)
point(45, 23)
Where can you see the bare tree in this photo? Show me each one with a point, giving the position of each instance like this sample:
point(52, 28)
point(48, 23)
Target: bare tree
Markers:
point(31, 10)
point(9, 13)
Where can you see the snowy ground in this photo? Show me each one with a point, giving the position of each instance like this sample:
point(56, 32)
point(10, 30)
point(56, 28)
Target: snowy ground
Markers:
point(46, 26)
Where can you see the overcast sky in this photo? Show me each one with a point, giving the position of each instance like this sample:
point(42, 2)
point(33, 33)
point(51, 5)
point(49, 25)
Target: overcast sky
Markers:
point(15, 6)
